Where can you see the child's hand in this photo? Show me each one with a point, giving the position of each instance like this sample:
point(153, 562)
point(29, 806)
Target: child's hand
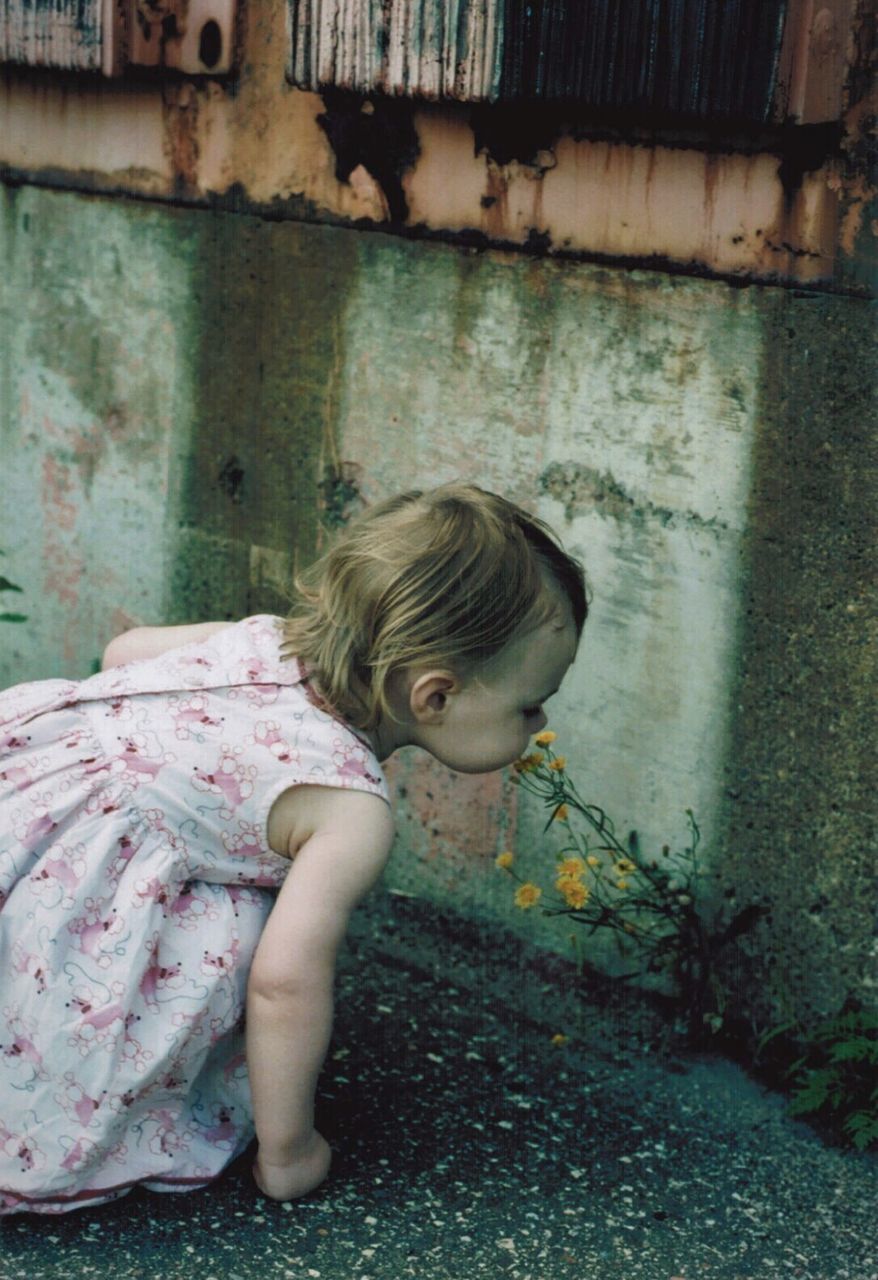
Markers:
point(305, 1169)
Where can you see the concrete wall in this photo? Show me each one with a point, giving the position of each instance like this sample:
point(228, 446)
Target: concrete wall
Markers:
point(178, 386)
point(215, 349)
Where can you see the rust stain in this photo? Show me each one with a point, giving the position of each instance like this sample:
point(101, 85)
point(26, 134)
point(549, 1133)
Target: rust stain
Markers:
point(56, 489)
point(799, 241)
point(180, 103)
point(495, 201)
point(63, 568)
point(712, 176)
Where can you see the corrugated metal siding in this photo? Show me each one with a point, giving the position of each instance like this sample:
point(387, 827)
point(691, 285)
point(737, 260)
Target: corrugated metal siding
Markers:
point(432, 48)
point(689, 57)
point(52, 33)
point(695, 58)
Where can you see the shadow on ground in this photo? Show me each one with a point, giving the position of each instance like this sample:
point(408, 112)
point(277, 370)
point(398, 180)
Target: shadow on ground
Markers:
point(469, 1145)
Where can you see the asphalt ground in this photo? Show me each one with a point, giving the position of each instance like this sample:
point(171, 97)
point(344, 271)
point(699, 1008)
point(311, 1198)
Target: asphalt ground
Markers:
point(469, 1145)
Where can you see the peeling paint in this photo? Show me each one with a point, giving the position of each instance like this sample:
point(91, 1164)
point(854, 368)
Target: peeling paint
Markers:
point(377, 136)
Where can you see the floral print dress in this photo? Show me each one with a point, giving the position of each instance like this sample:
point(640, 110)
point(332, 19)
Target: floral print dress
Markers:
point(135, 880)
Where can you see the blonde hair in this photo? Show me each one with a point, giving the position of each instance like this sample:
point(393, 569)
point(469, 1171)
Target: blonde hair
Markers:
point(446, 577)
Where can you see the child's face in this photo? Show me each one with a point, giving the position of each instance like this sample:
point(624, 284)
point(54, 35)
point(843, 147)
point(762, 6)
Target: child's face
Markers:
point(490, 719)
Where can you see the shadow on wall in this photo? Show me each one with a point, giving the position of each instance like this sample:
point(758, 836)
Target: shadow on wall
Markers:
point(267, 306)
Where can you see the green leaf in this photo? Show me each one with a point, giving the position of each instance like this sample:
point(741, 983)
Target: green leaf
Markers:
point(862, 1127)
point(812, 1095)
point(13, 617)
point(6, 585)
point(857, 1050)
point(794, 1068)
point(861, 1120)
point(767, 1036)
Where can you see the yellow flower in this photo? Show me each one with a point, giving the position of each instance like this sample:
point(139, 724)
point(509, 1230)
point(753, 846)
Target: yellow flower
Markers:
point(561, 813)
point(621, 884)
point(559, 763)
point(527, 895)
point(504, 860)
point(559, 1039)
point(593, 860)
point(574, 892)
point(624, 867)
point(571, 868)
point(543, 739)
point(528, 763)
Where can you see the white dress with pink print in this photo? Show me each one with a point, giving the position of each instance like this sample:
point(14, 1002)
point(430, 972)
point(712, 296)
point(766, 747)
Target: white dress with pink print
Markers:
point(135, 879)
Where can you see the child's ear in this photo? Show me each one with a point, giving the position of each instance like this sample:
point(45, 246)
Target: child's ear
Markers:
point(428, 696)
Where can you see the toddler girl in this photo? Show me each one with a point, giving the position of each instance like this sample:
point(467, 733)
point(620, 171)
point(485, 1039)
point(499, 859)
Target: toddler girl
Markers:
point(150, 814)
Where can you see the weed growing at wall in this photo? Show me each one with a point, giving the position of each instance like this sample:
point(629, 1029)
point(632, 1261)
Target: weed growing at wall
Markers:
point(648, 904)
point(835, 1076)
point(651, 906)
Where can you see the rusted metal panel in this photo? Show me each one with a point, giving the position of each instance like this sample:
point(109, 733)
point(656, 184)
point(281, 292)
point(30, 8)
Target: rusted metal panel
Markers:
point(192, 36)
point(690, 58)
point(53, 33)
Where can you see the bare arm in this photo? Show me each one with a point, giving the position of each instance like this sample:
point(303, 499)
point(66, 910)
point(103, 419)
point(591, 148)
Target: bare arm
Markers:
point(290, 992)
point(151, 642)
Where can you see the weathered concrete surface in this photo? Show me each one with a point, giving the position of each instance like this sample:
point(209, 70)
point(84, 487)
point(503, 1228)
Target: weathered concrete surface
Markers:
point(468, 1146)
point(794, 208)
point(94, 406)
point(167, 414)
point(802, 763)
point(623, 408)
